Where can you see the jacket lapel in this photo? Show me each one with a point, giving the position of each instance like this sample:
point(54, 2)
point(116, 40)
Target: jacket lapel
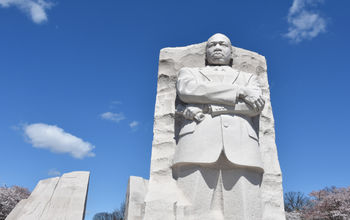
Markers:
point(230, 75)
point(235, 74)
point(205, 74)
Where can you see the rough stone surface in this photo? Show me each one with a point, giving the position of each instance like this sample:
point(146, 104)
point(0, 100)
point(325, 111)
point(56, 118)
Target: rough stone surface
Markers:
point(135, 197)
point(162, 193)
point(59, 198)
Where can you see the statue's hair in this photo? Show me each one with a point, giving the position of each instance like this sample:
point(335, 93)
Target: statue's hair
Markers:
point(219, 35)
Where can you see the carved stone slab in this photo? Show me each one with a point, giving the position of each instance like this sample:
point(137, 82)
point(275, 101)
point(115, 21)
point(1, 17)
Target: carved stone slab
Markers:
point(162, 192)
point(55, 199)
point(136, 192)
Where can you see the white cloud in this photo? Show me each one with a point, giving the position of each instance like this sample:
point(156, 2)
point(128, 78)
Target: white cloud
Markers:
point(134, 124)
point(116, 117)
point(36, 9)
point(54, 172)
point(304, 22)
point(57, 140)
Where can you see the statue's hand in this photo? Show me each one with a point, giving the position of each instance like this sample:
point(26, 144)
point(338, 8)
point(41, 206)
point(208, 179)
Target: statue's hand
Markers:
point(248, 96)
point(193, 113)
point(257, 103)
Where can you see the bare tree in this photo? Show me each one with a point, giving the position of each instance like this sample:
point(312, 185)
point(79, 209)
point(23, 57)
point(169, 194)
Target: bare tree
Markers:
point(295, 201)
point(9, 197)
point(118, 214)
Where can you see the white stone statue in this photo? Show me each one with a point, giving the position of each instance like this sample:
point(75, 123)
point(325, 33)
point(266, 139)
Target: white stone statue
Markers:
point(217, 162)
point(214, 155)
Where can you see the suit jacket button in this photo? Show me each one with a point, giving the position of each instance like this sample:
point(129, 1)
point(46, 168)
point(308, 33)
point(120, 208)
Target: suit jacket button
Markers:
point(226, 125)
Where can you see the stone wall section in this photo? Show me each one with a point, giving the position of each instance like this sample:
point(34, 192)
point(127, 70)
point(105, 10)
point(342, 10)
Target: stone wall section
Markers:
point(55, 198)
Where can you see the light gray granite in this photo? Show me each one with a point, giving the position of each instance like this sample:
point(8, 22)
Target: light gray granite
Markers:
point(164, 198)
point(135, 197)
point(59, 198)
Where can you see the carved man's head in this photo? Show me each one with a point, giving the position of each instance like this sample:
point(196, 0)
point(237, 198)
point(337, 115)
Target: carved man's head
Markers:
point(219, 50)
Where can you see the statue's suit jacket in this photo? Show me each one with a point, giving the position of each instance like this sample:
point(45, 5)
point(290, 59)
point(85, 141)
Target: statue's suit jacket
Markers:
point(228, 127)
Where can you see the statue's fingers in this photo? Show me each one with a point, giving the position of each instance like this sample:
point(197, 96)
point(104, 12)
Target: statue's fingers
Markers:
point(261, 101)
point(250, 99)
point(252, 104)
point(199, 117)
point(191, 114)
point(257, 103)
point(258, 106)
point(184, 113)
point(188, 114)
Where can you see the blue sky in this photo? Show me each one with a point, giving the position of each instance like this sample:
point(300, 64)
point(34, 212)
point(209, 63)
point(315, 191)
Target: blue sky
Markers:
point(78, 84)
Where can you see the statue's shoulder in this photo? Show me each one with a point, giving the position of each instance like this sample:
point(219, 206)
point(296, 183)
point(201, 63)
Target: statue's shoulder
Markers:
point(189, 70)
point(245, 75)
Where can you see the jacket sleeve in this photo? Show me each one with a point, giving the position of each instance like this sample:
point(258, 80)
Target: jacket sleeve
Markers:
point(190, 90)
point(243, 108)
point(253, 85)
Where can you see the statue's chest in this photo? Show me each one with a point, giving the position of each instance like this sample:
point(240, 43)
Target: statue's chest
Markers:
point(223, 77)
point(220, 77)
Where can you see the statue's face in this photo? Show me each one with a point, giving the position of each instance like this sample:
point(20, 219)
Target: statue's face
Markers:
point(219, 50)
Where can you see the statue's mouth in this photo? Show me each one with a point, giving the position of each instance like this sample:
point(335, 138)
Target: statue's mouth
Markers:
point(218, 54)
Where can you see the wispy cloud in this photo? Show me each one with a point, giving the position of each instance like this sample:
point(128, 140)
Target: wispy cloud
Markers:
point(54, 172)
point(35, 9)
point(114, 104)
point(134, 124)
point(57, 140)
point(305, 23)
point(116, 117)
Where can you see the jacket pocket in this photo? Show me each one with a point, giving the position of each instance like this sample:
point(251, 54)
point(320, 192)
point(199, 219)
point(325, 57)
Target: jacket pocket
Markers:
point(251, 132)
point(187, 128)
